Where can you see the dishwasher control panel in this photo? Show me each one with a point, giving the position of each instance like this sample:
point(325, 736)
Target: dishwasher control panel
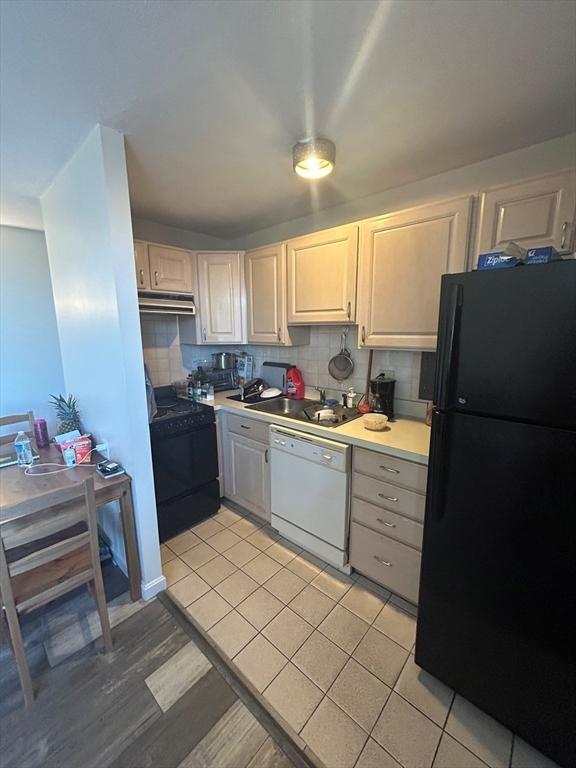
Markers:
point(315, 449)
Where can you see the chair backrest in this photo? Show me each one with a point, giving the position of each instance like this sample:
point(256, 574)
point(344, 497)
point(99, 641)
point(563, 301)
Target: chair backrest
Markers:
point(48, 546)
point(18, 418)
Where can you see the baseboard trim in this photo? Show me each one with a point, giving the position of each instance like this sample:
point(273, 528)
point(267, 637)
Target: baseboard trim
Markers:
point(153, 588)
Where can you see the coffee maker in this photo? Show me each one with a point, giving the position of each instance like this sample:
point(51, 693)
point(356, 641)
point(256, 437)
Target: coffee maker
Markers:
point(382, 399)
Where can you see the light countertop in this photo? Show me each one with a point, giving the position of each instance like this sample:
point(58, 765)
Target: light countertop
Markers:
point(405, 438)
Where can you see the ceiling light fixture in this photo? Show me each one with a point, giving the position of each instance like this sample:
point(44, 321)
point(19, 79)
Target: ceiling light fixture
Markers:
point(314, 158)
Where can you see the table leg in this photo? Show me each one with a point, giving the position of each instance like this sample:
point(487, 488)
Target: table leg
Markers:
point(130, 543)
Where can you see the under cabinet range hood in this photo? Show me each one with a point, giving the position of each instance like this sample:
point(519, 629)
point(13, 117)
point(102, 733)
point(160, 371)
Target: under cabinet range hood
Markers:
point(166, 303)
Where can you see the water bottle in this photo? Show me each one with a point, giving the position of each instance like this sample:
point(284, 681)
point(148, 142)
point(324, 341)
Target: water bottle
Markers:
point(23, 449)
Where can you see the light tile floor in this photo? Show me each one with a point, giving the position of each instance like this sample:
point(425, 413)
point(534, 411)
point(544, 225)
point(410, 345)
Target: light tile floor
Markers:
point(331, 654)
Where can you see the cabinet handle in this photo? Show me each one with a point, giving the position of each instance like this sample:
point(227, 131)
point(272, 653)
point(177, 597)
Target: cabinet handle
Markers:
point(266, 455)
point(204, 333)
point(279, 334)
point(349, 310)
point(389, 469)
point(363, 334)
point(564, 230)
point(243, 426)
point(327, 457)
point(382, 562)
point(385, 522)
point(141, 277)
point(388, 498)
point(155, 278)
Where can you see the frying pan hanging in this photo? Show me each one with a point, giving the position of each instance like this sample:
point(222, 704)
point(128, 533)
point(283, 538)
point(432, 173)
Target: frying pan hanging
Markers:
point(341, 365)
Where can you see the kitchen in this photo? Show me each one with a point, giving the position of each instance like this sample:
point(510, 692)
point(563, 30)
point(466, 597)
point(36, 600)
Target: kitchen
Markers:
point(323, 511)
point(334, 376)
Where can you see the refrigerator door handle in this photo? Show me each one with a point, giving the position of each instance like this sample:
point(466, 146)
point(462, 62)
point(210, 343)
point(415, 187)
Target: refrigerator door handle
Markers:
point(437, 462)
point(446, 349)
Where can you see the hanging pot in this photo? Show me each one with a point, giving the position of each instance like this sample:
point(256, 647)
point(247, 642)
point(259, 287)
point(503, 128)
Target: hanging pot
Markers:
point(341, 365)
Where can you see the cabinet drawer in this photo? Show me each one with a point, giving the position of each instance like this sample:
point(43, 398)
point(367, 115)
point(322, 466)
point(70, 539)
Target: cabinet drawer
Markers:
point(255, 430)
point(388, 562)
point(388, 468)
point(390, 496)
point(388, 523)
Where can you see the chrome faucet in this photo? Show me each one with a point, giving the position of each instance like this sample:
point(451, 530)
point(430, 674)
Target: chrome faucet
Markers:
point(322, 394)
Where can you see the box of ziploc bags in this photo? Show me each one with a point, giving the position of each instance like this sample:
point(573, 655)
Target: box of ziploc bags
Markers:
point(543, 255)
point(497, 260)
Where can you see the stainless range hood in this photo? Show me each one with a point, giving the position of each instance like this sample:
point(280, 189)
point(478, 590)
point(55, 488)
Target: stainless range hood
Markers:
point(166, 303)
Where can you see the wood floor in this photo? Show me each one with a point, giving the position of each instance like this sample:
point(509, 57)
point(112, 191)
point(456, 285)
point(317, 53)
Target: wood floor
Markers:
point(156, 701)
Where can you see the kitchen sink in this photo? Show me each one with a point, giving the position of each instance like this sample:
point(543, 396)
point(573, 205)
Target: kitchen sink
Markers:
point(304, 410)
point(282, 406)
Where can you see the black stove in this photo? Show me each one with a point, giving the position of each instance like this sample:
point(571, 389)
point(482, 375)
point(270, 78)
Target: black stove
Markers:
point(175, 414)
point(185, 461)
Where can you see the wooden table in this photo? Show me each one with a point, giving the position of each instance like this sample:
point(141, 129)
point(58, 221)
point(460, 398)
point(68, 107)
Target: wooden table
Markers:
point(17, 487)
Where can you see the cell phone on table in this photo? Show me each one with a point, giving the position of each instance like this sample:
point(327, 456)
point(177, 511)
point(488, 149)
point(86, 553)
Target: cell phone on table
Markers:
point(109, 468)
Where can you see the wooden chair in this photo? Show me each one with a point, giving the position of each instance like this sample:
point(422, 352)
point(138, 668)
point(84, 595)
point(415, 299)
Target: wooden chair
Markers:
point(18, 418)
point(48, 547)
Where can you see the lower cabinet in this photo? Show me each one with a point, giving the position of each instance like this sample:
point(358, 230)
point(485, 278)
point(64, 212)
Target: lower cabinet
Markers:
point(387, 515)
point(385, 561)
point(247, 470)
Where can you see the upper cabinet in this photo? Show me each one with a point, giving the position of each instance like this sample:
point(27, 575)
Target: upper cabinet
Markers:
point(142, 265)
point(322, 277)
point(265, 271)
point(402, 258)
point(531, 213)
point(221, 299)
point(163, 269)
point(170, 269)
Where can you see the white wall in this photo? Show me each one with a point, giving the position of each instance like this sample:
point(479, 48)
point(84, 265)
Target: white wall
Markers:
point(548, 156)
point(180, 238)
point(89, 237)
point(31, 368)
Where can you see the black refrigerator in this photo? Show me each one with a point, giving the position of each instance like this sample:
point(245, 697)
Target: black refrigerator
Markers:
point(497, 605)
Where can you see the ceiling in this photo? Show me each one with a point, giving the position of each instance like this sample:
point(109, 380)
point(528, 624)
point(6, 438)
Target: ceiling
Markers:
point(211, 96)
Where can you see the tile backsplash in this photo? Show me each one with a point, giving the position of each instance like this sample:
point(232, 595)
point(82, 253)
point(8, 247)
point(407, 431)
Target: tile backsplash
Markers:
point(170, 361)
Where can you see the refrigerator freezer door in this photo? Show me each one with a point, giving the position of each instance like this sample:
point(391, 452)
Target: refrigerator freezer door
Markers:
point(497, 608)
point(507, 344)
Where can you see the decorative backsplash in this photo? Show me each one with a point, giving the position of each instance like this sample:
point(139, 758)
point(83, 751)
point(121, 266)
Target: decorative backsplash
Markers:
point(170, 361)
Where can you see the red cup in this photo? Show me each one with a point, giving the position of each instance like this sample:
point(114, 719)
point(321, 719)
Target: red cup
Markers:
point(41, 433)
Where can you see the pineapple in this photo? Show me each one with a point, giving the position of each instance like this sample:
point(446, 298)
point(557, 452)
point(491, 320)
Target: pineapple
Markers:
point(67, 413)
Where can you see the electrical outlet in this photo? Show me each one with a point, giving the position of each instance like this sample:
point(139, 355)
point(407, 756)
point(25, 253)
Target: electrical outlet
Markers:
point(104, 449)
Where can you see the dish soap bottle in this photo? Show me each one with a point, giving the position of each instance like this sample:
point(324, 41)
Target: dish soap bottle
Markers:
point(350, 397)
point(294, 384)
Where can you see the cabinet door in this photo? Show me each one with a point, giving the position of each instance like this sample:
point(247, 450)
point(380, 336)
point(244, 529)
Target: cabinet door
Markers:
point(322, 277)
point(142, 265)
point(248, 475)
point(266, 297)
point(531, 213)
point(402, 258)
point(221, 297)
point(170, 269)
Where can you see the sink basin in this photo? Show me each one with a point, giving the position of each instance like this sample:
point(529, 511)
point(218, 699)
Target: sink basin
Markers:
point(282, 406)
point(304, 410)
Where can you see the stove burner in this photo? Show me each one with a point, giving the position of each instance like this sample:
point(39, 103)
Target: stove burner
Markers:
point(173, 407)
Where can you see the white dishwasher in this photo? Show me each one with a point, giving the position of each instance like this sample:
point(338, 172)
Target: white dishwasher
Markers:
point(310, 492)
